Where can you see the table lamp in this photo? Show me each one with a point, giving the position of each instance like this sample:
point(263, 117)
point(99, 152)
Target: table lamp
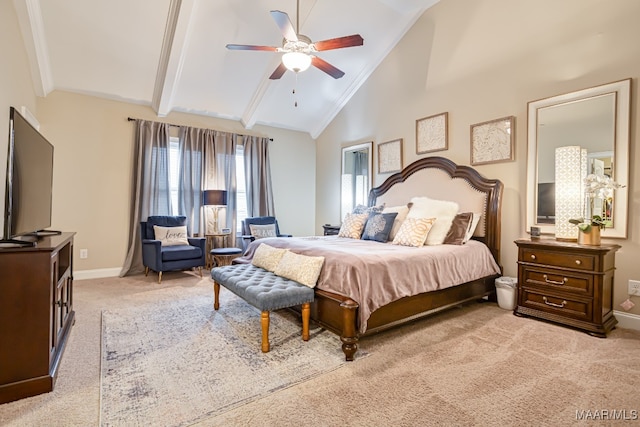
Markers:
point(215, 198)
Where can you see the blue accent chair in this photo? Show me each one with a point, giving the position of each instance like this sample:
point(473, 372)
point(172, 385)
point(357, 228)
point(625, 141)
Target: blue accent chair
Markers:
point(170, 258)
point(257, 220)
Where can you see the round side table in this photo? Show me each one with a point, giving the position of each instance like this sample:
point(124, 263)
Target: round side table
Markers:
point(224, 256)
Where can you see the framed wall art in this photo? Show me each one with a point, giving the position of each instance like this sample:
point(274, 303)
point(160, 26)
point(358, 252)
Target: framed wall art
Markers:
point(493, 141)
point(431, 133)
point(390, 156)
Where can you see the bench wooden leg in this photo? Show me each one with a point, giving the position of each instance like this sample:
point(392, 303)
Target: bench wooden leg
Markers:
point(216, 295)
point(306, 313)
point(264, 320)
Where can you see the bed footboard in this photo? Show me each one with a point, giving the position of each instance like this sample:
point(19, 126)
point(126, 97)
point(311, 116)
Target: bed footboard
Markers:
point(338, 313)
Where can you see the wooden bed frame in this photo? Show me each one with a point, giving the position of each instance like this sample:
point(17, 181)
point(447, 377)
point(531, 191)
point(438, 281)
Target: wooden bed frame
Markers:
point(339, 314)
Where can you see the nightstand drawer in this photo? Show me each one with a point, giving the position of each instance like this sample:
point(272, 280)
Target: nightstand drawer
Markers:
point(559, 259)
point(561, 305)
point(559, 280)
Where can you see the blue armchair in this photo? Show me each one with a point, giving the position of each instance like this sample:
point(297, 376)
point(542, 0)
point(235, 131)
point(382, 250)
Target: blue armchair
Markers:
point(247, 236)
point(170, 258)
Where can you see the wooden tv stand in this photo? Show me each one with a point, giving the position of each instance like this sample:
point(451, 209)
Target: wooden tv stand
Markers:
point(36, 289)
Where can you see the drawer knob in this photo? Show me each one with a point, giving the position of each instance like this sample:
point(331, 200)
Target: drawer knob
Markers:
point(555, 282)
point(533, 256)
point(564, 302)
point(578, 262)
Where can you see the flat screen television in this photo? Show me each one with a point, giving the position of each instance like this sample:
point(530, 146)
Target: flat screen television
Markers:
point(29, 182)
point(546, 202)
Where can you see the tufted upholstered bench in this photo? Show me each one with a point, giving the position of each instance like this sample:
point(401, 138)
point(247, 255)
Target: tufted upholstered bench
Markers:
point(265, 291)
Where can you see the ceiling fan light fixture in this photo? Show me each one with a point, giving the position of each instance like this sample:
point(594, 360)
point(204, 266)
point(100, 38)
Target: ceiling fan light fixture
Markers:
point(296, 61)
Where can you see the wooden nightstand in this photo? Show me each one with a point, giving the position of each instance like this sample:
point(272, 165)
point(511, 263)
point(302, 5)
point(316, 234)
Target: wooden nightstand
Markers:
point(567, 283)
point(331, 230)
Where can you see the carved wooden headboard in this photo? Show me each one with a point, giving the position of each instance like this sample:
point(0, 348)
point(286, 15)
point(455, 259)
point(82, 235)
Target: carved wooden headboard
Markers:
point(442, 179)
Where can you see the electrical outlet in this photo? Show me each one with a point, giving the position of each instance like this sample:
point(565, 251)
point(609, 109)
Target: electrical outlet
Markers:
point(634, 287)
point(84, 253)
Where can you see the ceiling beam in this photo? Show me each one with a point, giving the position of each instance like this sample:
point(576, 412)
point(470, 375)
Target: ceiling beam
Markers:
point(172, 55)
point(250, 116)
point(32, 29)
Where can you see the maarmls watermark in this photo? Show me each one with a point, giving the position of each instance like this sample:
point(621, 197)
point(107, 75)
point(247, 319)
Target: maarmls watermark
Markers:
point(607, 415)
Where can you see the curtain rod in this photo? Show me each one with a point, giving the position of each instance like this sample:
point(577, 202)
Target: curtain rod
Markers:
point(131, 119)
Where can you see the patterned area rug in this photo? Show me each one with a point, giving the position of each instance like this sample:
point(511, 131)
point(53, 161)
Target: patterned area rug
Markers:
point(172, 360)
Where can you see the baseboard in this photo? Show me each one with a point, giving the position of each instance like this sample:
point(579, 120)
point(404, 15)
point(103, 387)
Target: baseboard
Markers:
point(96, 274)
point(627, 320)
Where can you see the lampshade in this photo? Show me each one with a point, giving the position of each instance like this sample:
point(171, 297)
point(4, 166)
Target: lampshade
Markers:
point(571, 169)
point(296, 61)
point(214, 197)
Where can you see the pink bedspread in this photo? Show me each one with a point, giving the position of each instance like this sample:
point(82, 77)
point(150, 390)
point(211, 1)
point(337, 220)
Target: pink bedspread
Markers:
point(374, 274)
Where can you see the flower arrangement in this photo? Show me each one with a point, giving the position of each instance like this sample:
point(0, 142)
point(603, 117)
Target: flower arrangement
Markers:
point(595, 187)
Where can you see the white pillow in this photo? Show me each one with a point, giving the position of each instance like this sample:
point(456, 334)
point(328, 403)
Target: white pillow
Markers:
point(300, 268)
point(353, 225)
point(402, 212)
point(443, 211)
point(267, 257)
point(262, 231)
point(413, 232)
point(171, 236)
point(472, 226)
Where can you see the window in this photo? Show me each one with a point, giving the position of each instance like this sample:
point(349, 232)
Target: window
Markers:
point(241, 189)
point(174, 171)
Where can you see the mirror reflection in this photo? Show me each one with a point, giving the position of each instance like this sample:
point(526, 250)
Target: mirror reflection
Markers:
point(588, 123)
point(596, 119)
point(355, 181)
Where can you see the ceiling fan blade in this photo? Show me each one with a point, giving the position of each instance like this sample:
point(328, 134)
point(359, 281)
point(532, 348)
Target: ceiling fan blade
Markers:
point(326, 67)
point(285, 25)
point(339, 42)
point(279, 72)
point(251, 47)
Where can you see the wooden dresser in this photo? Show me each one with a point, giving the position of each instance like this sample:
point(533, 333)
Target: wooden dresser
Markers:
point(567, 283)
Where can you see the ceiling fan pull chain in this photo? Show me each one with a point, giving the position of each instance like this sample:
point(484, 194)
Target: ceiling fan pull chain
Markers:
point(295, 101)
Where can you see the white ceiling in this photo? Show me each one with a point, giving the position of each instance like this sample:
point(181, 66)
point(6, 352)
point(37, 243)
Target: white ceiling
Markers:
point(171, 55)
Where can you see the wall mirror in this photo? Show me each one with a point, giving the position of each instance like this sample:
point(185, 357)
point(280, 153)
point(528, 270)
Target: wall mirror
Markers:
point(596, 119)
point(355, 181)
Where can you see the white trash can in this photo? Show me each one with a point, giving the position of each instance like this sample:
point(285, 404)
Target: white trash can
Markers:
point(507, 291)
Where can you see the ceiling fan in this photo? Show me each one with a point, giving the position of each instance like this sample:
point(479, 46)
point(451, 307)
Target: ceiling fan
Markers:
point(299, 51)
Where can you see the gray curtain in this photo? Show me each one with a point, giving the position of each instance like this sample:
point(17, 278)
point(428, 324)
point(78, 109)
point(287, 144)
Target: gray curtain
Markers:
point(150, 185)
point(258, 176)
point(220, 173)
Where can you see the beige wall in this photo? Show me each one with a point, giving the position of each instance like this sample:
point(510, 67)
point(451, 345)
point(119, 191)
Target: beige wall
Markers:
point(93, 171)
point(16, 89)
point(485, 59)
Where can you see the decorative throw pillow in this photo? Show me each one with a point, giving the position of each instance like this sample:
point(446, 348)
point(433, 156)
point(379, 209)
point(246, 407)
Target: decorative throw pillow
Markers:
point(459, 229)
point(378, 227)
point(267, 257)
point(171, 236)
point(413, 231)
point(402, 212)
point(443, 212)
point(473, 226)
point(300, 268)
point(262, 231)
point(362, 209)
point(352, 225)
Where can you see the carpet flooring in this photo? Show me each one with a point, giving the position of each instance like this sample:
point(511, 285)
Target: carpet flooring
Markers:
point(476, 365)
point(171, 360)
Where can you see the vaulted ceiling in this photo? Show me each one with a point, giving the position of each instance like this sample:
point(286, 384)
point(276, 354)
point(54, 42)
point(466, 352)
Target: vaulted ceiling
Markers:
point(171, 55)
